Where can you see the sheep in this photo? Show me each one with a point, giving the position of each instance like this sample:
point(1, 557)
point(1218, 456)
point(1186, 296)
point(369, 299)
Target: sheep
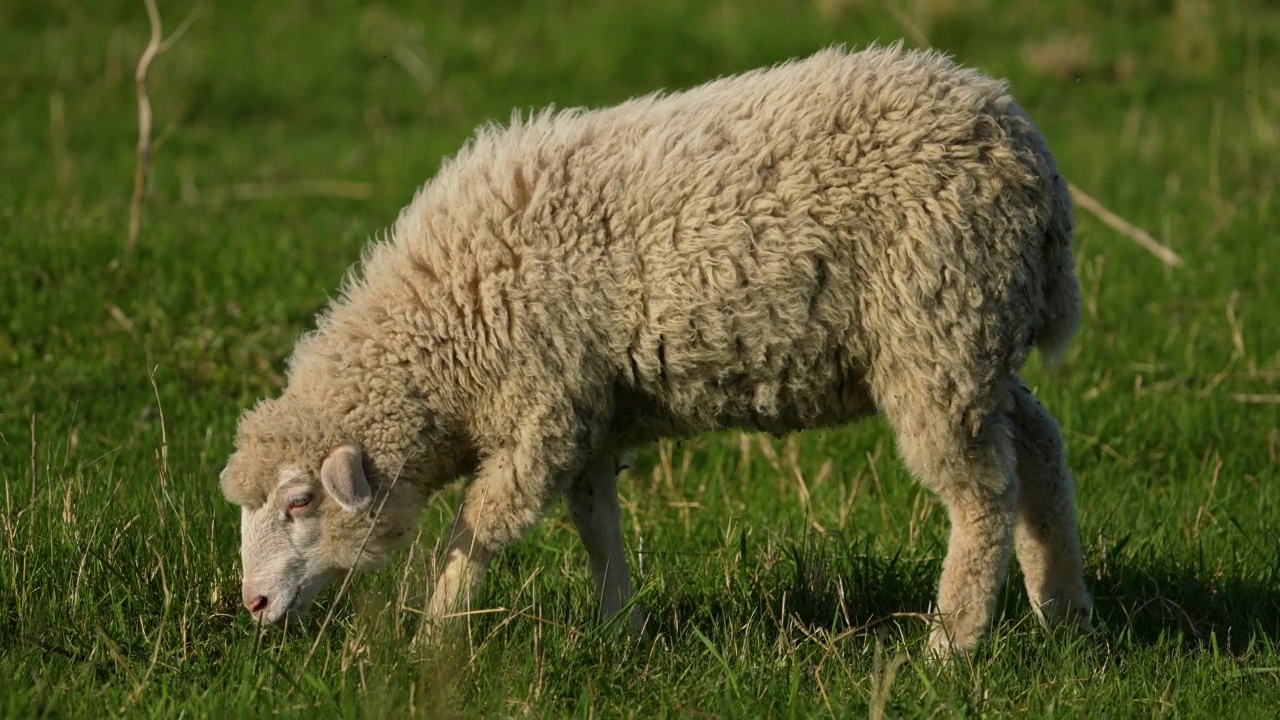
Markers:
point(796, 247)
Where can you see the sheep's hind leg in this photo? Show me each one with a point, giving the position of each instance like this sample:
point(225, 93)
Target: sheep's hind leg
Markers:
point(973, 473)
point(1046, 537)
point(593, 506)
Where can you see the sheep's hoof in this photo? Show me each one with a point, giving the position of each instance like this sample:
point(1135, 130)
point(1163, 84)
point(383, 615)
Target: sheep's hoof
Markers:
point(424, 638)
point(640, 624)
point(946, 645)
point(433, 637)
point(1065, 614)
point(938, 651)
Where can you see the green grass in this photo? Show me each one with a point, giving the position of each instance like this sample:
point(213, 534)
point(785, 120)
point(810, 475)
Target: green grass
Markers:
point(773, 569)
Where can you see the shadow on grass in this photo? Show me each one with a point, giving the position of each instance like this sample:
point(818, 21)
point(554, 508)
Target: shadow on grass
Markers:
point(824, 582)
point(1225, 603)
point(828, 583)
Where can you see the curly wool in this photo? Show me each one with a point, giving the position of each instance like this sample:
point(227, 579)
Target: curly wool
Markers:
point(790, 248)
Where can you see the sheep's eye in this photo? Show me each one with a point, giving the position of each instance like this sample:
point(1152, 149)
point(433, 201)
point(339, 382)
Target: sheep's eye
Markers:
point(298, 502)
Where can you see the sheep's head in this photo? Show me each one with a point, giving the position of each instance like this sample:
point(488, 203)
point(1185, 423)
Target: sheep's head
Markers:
point(305, 501)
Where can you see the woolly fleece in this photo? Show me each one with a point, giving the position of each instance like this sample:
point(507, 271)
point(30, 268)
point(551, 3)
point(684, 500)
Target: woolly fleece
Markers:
point(790, 248)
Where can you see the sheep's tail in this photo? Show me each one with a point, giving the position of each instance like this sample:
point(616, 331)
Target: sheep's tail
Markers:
point(1061, 289)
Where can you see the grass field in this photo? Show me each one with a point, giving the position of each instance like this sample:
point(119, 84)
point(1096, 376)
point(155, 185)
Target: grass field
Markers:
point(288, 133)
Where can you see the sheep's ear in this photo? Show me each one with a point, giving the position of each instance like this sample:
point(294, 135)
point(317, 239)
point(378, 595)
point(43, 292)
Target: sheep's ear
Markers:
point(224, 477)
point(236, 486)
point(343, 477)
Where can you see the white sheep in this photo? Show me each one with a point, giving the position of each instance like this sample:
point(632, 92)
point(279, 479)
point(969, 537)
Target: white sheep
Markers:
point(795, 247)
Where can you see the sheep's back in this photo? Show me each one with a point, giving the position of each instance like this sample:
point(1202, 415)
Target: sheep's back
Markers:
point(756, 251)
point(769, 238)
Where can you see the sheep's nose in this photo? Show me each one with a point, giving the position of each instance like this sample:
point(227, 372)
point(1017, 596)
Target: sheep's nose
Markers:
point(256, 603)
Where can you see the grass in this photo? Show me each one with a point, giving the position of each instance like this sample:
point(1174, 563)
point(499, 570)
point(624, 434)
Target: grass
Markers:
point(782, 575)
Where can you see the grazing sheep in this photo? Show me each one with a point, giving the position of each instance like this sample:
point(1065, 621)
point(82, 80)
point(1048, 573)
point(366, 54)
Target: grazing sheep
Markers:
point(795, 247)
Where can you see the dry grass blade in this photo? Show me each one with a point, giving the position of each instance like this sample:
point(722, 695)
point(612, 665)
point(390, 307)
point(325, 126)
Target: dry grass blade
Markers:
point(1124, 227)
point(164, 433)
point(882, 677)
point(1257, 398)
point(911, 25)
point(34, 466)
point(926, 617)
point(120, 317)
point(155, 650)
point(114, 651)
point(341, 189)
point(155, 47)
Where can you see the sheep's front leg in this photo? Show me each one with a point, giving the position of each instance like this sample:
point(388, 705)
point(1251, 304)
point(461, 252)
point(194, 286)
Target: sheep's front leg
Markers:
point(593, 506)
point(464, 564)
point(504, 500)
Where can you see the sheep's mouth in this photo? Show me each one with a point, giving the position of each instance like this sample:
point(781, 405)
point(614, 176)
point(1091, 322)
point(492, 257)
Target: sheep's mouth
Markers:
point(290, 612)
point(304, 594)
point(297, 605)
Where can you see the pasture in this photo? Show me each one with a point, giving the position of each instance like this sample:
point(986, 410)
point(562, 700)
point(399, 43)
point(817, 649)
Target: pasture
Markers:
point(784, 576)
